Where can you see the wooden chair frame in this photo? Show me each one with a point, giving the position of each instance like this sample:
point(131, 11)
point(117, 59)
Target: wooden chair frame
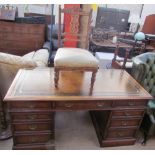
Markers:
point(75, 13)
point(115, 62)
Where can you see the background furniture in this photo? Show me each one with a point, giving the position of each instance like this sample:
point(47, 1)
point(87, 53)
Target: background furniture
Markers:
point(110, 22)
point(21, 38)
point(74, 59)
point(148, 27)
point(68, 26)
point(144, 72)
point(9, 65)
point(106, 45)
point(112, 19)
point(117, 104)
point(122, 63)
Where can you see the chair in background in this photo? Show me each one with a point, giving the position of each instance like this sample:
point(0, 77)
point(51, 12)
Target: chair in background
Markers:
point(144, 72)
point(125, 62)
point(75, 59)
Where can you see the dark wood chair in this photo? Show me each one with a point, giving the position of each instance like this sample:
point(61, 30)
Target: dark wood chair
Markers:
point(74, 59)
point(5, 131)
point(126, 61)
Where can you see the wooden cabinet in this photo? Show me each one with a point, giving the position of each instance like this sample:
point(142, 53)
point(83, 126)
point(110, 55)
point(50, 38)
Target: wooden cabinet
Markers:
point(119, 126)
point(32, 124)
point(20, 38)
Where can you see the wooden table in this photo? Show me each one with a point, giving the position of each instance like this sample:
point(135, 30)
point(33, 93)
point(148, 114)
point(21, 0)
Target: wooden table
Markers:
point(117, 105)
point(96, 46)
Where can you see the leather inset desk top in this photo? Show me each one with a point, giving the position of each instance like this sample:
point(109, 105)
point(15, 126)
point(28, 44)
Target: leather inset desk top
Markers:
point(38, 84)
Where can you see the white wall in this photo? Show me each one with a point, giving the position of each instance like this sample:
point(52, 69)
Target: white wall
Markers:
point(135, 10)
point(148, 9)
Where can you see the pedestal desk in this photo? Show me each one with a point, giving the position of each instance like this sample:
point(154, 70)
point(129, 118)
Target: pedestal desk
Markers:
point(116, 104)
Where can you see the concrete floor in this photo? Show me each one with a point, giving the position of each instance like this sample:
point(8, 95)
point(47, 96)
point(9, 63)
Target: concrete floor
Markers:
point(75, 131)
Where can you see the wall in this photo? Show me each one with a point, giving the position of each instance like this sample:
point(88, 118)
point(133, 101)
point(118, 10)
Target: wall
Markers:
point(135, 10)
point(147, 10)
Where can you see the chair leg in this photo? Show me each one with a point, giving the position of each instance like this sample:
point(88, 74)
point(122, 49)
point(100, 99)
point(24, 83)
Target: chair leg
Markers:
point(56, 77)
point(92, 81)
point(5, 129)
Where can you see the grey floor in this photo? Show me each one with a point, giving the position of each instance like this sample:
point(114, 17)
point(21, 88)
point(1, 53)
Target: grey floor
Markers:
point(75, 131)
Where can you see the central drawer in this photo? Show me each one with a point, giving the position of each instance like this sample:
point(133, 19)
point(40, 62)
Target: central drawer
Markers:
point(82, 105)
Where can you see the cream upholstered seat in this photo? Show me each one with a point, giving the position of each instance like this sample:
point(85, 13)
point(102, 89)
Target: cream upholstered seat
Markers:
point(75, 57)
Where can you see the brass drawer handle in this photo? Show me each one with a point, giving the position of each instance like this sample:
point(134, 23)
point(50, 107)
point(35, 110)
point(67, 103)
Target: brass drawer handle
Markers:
point(32, 117)
point(124, 123)
point(120, 134)
point(130, 103)
point(126, 113)
point(33, 139)
point(32, 106)
point(33, 127)
point(100, 105)
point(68, 105)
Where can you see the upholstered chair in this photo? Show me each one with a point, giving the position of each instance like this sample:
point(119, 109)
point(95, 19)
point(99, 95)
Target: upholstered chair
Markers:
point(9, 66)
point(144, 72)
point(74, 59)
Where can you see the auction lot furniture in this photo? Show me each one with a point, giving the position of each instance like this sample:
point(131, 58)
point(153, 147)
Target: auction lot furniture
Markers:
point(117, 105)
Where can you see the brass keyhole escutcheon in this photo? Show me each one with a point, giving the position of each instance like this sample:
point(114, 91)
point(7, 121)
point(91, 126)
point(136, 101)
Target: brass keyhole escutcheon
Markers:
point(32, 117)
point(33, 127)
point(33, 139)
point(68, 105)
point(130, 103)
point(32, 106)
point(120, 134)
point(124, 123)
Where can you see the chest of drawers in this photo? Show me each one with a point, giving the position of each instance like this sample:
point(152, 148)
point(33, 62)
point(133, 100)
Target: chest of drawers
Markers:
point(32, 125)
point(119, 125)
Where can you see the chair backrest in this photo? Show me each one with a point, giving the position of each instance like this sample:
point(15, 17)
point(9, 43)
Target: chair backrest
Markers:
point(74, 35)
point(144, 71)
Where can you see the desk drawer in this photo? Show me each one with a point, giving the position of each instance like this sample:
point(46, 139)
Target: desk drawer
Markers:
point(30, 105)
point(46, 146)
point(39, 138)
point(31, 116)
point(129, 104)
point(82, 105)
point(121, 133)
point(127, 113)
point(124, 122)
point(33, 126)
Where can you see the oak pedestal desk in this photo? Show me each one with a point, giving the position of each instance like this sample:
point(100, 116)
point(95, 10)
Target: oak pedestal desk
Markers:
point(116, 104)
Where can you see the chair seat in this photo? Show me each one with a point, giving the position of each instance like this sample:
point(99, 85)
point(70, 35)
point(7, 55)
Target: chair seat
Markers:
point(75, 57)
